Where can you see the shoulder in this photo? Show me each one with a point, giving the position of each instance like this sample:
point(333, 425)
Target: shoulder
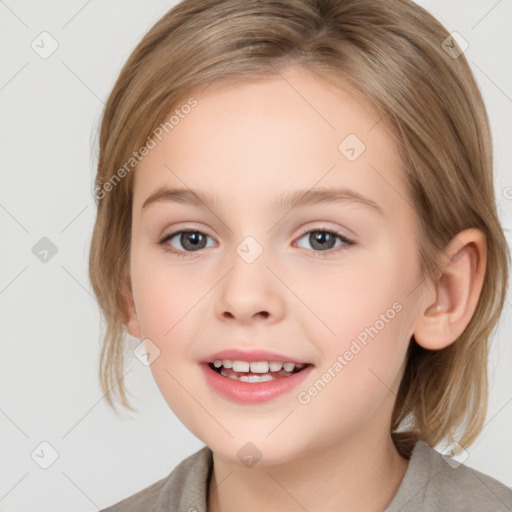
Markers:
point(435, 482)
point(183, 489)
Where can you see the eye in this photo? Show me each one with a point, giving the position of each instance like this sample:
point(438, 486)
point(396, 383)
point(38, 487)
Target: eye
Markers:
point(189, 239)
point(324, 240)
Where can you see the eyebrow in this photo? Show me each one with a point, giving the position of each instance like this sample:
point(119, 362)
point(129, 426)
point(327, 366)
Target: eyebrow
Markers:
point(293, 199)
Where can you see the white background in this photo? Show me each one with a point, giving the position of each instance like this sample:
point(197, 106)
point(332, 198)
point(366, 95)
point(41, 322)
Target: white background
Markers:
point(50, 111)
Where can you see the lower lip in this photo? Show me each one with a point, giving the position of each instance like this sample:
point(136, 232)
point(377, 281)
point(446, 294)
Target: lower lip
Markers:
point(253, 392)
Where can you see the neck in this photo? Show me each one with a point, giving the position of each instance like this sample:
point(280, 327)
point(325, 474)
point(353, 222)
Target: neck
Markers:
point(350, 475)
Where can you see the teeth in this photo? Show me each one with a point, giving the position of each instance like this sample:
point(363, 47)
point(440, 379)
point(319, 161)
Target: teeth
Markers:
point(256, 378)
point(260, 367)
point(256, 366)
point(275, 366)
point(249, 378)
point(240, 366)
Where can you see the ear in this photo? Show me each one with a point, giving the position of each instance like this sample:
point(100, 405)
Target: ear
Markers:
point(130, 313)
point(456, 291)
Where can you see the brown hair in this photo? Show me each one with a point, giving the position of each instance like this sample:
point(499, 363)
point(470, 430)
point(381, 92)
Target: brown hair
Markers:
point(395, 54)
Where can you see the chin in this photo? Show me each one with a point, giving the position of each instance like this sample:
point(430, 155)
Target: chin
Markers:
point(256, 450)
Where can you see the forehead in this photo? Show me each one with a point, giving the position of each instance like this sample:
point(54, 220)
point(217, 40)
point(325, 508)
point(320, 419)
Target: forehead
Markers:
point(248, 141)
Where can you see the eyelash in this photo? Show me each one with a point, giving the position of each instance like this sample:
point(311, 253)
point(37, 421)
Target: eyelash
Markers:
point(330, 252)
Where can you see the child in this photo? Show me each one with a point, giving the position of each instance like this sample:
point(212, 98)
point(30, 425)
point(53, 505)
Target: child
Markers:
point(296, 216)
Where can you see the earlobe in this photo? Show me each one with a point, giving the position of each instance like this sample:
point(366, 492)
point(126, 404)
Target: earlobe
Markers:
point(133, 327)
point(132, 323)
point(457, 291)
point(132, 320)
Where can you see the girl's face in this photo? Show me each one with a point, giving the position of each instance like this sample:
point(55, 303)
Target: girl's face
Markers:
point(260, 274)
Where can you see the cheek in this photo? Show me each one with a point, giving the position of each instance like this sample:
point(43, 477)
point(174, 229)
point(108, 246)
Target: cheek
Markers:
point(368, 315)
point(167, 305)
point(359, 374)
point(168, 301)
point(369, 287)
point(165, 296)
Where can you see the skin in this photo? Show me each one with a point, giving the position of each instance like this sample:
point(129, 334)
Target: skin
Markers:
point(250, 143)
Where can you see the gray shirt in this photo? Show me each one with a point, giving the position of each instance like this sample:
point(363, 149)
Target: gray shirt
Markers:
point(430, 484)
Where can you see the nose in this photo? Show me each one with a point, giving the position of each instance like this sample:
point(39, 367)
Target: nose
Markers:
point(249, 292)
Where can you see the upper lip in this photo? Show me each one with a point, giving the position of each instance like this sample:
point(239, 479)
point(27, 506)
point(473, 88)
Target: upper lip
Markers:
point(251, 355)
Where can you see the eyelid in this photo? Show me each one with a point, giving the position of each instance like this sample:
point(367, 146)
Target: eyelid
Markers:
point(314, 227)
point(347, 241)
point(178, 228)
point(324, 226)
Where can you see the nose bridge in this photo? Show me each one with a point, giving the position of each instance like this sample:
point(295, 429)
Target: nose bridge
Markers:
point(249, 289)
point(250, 250)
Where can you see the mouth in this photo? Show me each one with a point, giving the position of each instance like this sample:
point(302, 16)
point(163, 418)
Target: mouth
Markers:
point(257, 371)
point(255, 376)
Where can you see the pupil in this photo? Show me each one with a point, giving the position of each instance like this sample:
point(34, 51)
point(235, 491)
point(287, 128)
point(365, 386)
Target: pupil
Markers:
point(321, 238)
point(192, 240)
